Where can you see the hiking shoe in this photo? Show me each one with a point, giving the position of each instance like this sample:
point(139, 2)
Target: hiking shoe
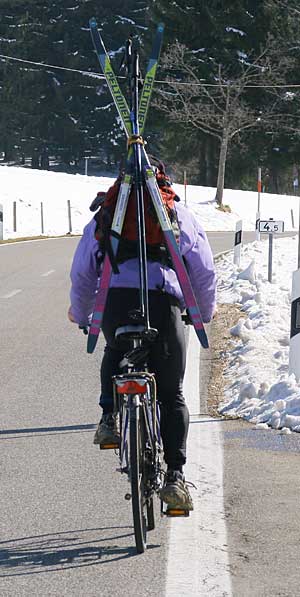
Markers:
point(175, 492)
point(107, 431)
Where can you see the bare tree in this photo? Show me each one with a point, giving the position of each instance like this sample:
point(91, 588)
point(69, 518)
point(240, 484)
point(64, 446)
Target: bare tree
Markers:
point(220, 108)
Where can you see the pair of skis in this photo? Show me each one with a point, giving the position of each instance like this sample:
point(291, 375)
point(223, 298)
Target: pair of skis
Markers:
point(134, 126)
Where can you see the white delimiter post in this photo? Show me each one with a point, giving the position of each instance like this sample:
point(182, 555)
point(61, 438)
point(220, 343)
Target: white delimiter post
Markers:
point(1, 222)
point(237, 242)
point(258, 204)
point(299, 235)
point(294, 357)
point(42, 218)
point(69, 216)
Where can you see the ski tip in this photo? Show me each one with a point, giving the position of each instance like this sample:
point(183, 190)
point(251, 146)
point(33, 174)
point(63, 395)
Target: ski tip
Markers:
point(91, 343)
point(203, 338)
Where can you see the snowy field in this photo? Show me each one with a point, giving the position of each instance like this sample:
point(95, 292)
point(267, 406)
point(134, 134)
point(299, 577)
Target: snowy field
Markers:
point(29, 188)
point(258, 385)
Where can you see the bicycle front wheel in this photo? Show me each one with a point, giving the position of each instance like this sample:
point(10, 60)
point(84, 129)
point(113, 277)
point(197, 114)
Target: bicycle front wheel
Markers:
point(137, 454)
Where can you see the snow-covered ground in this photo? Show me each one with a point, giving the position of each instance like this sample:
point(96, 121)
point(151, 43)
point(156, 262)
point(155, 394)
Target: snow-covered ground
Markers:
point(29, 188)
point(258, 385)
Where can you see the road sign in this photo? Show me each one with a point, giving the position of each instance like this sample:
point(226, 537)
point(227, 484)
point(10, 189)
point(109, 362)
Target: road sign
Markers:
point(271, 226)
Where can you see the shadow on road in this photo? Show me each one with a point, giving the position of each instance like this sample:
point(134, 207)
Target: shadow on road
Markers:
point(8, 433)
point(64, 550)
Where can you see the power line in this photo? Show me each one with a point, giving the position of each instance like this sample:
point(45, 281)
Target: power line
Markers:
point(73, 70)
point(163, 82)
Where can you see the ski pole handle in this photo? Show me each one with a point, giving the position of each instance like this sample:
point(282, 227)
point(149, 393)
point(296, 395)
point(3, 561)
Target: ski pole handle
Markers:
point(186, 318)
point(84, 328)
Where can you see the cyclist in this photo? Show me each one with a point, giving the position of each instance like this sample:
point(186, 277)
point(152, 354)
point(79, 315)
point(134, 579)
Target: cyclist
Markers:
point(168, 352)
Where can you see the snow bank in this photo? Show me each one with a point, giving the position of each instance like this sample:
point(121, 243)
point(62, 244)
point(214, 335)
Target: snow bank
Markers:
point(258, 385)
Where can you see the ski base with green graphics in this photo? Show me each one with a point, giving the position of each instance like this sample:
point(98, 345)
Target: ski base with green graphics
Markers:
point(150, 181)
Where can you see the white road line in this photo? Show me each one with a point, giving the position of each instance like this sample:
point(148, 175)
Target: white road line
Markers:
point(198, 563)
point(11, 294)
point(51, 271)
point(15, 242)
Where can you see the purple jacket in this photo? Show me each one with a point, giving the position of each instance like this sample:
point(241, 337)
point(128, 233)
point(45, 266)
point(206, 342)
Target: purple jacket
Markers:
point(193, 245)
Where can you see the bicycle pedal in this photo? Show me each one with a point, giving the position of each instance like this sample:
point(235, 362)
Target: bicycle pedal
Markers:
point(111, 446)
point(177, 512)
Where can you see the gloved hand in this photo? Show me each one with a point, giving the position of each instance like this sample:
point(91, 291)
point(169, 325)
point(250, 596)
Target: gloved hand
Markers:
point(71, 316)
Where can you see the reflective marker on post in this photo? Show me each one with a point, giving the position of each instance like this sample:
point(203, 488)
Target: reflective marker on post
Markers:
point(237, 242)
point(294, 357)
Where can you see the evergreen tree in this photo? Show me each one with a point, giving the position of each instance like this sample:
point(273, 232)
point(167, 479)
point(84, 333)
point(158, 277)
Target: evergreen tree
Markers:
point(68, 112)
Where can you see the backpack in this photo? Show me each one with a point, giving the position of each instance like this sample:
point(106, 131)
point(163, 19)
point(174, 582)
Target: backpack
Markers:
point(128, 244)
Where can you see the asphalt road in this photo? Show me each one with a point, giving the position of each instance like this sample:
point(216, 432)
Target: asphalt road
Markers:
point(65, 526)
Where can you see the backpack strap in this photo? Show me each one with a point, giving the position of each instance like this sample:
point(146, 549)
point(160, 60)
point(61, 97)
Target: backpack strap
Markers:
point(104, 242)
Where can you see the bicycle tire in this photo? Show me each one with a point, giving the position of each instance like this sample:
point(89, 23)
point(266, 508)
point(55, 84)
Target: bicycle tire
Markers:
point(138, 501)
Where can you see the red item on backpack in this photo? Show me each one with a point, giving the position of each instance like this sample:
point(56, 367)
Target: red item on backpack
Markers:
point(156, 248)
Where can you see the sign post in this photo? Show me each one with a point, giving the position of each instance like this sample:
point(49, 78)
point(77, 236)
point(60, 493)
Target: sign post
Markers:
point(271, 227)
point(270, 259)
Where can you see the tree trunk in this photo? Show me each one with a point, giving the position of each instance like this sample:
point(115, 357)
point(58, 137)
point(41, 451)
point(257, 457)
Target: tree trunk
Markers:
point(209, 162)
point(221, 169)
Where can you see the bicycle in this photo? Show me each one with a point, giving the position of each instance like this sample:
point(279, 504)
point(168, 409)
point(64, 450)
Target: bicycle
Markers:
point(140, 449)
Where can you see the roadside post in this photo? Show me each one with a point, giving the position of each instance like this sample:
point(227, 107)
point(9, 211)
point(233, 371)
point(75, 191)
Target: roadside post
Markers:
point(292, 218)
point(86, 159)
point(271, 227)
point(42, 218)
point(1, 222)
point(69, 216)
point(238, 242)
point(258, 204)
point(294, 355)
point(15, 216)
point(299, 235)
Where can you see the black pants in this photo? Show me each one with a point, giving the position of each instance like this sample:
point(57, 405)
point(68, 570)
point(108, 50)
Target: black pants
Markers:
point(167, 361)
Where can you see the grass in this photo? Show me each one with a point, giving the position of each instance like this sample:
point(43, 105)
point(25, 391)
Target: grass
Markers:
point(225, 208)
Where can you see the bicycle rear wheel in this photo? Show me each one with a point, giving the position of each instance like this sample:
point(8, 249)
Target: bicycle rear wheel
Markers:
point(137, 471)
